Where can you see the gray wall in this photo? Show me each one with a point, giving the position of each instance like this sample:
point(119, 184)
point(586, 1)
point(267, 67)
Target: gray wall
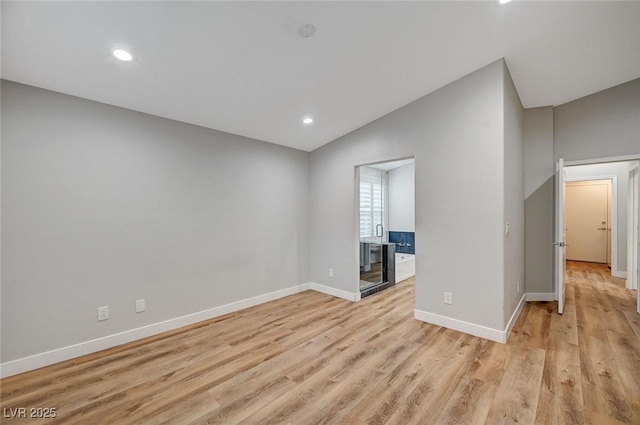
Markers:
point(539, 165)
point(621, 170)
point(102, 206)
point(539, 198)
point(402, 194)
point(456, 136)
point(605, 124)
point(513, 197)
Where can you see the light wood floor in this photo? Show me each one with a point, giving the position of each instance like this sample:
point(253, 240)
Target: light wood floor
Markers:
point(314, 359)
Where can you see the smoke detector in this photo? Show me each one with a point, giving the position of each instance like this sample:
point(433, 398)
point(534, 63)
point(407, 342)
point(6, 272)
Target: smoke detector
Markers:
point(306, 31)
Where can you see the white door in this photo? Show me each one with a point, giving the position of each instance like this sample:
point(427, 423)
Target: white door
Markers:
point(586, 206)
point(636, 233)
point(560, 235)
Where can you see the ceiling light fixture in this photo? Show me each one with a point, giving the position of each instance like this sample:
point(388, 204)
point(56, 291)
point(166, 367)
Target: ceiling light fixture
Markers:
point(307, 120)
point(503, 1)
point(123, 55)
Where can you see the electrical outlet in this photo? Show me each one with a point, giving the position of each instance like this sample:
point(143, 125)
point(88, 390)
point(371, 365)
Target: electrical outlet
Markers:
point(140, 306)
point(330, 272)
point(448, 298)
point(103, 313)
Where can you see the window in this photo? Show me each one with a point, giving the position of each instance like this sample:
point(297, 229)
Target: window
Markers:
point(371, 208)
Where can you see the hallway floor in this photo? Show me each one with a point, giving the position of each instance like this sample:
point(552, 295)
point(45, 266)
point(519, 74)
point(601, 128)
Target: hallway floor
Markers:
point(591, 368)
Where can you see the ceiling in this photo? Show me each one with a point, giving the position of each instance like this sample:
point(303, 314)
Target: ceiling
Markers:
point(241, 67)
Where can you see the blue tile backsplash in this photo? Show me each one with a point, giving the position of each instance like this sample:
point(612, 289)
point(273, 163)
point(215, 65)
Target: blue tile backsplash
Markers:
point(405, 242)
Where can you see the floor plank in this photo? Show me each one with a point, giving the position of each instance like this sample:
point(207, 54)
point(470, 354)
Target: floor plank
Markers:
point(560, 400)
point(516, 399)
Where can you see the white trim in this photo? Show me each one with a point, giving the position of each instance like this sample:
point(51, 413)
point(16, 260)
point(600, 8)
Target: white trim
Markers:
point(460, 325)
point(632, 226)
point(356, 227)
point(622, 158)
point(540, 296)
point(514, 317)
point(559, 232)
point(339, 293)
point(72, 351)
point(617, 273)
point(471, 328)
point(614, 216)
point(404, 277)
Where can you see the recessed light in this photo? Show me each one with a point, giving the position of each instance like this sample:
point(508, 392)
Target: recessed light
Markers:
point(123, 55)
point(307, 120)
point(503, 1)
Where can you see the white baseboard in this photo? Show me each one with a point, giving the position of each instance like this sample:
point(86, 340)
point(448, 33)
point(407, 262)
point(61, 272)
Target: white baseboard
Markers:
point(514, 317)
point(628, 284)
point(350, 296)
point(36, 361)
point(472, 328)
point(403, 277)
point(616, 273)
point(540, 296)
point(460, 325)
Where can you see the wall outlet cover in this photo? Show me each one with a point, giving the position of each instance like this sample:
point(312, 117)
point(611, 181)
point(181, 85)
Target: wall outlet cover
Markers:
point(103, 313)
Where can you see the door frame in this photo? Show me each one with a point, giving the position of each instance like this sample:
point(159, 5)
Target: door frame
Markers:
point(624, 158)
point(614, 217)
point(633, 217)
point(357, 293)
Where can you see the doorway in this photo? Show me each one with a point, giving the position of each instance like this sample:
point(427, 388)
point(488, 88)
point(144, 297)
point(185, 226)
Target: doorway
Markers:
point(616, 231)
point(588, 220)
point(623, 238)
point(386, 224)
point(372, 222)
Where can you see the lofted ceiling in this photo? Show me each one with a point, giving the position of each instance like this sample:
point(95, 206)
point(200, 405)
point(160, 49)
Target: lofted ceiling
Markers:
point(242, 67)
